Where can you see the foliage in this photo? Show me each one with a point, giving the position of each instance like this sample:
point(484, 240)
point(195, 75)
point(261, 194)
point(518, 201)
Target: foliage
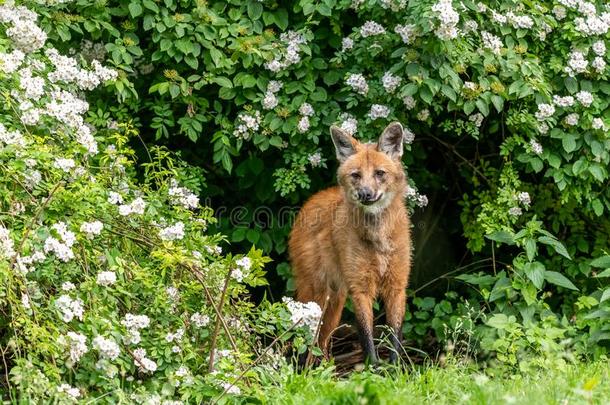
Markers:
point(508, 102)
point(111, 289)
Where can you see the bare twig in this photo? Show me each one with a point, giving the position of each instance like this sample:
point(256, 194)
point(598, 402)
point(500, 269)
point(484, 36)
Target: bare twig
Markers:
point(217, 326)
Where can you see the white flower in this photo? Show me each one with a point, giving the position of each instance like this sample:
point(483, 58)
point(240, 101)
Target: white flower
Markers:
point(7, 246)
point(25, 301)
point(371, 28)
point(520, 21)
point(70, 308)
point(409, 102)
point(598, 123)
point(408, 136)
point(238, 275)
point(315, 159)
point(470, 26)
point(67, 389)
point(559, 12)
point(106, 347)
point(64, 164)
point(106, 278)
point(303, 124)
point(270, 101)
point(571, 119)
point(230, 388)
point(247, 124)
point(346, 44)
point(448, 20)
point(307, 314)
point(497, 17)
point(173, 232)
point(599, 48)
point(491, 42)
point(524, 198)
point(599, 64)
point(515, 211)
point(407, 32)
point(423, 115)
point(92, 228)
point(379, 111)
point(77, 344)
point(349, 124)
point(357, 82)
point(137, 206)
point(10, 62)
point(477, 119)
point(61, 250)
point(182, 196)
point(115, 198)
point(306, 109)
point(585, 98)
point(11, 137)
point(136, 322)
point(576, 64)
point(544, 111)
point(274, 86)
point(536, 147)
point(564, 102)
point(390, 82)
point(199, 320)
point(67, 286)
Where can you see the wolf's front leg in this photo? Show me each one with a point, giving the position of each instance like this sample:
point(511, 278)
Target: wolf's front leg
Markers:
point(363, 307)
point(394, 303)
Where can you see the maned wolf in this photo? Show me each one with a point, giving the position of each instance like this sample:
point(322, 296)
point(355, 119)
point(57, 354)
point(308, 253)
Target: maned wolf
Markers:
point(355, 238)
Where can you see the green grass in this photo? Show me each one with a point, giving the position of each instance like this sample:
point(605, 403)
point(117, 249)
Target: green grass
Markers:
point(564, 384)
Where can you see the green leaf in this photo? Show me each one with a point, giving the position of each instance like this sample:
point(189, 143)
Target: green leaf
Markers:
point(255, 10)
point(498, 321)
point(601, 262)
point(605, 295)
point(135, 9)
point(535, 272)
point(571, 84)
point(502, 236)
point(149, 4)
point(483, 107)
point(558, 246)
point(603, 274)
point(569, 143)
point(223, 81)
point(498, 102)
point(559, 279)
point(598, 207)
point(530, 248)
point(598, 172)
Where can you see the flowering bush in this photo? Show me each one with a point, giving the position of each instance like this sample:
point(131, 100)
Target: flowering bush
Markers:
point(111, 289)
point(506, 105)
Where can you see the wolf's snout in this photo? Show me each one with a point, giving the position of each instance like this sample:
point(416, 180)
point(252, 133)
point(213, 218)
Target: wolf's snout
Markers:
point(367, 196)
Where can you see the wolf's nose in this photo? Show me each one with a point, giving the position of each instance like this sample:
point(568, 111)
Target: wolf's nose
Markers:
point(365, 194)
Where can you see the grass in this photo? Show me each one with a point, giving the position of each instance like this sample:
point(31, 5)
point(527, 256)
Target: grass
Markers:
point(585, 383)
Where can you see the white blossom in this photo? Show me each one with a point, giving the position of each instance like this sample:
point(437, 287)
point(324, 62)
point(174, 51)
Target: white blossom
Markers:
point(346, 44)
point(598, 123)
point(7, 246)
point(106, 278)
point(576, 64)
point(585, 98)
point(448, 20)
point(536, 147)
point(491, 42)
point(106, 347)
point(303, 124)
point(544, 111)
point(559, 12)
point(315, 159)
point(423, 115)
point(200, 320)
point(76, 343)
point(515, 211)
point(92, 228)
point(599, 64)
point(371, 28)
point(571, 119)
point(173, 232)
point(70, 308)
point(357, 82)
point(409, 102)
point(306, 109)
point(247, 124)
point(599, 48)
point(524, 198)
point(72, 392)
point(182, 196)
point(349, 124)
point(567, 101)
point(306, 314)
point(65, 164)
point(379, 111)
point(390, 82)
point(407, 32)
point(477, 119)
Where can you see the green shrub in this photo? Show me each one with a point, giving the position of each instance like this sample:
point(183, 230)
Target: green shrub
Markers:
point(508, 102)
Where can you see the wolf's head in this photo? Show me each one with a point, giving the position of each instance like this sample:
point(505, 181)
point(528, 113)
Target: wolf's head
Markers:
point(371, 174)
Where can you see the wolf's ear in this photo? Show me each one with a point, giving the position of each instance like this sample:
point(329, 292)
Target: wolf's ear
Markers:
point(345, 145)
point(390, 141)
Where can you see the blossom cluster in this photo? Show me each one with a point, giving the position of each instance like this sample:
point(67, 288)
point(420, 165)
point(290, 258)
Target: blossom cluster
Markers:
point(290, 51)
point(307, 314)
point(247, 124)
point(448, 20)
point(306, 111)
point(172, 232)
point(182, 196)
point(270, 100)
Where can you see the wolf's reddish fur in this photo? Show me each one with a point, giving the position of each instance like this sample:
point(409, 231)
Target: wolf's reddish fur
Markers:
point(354, 239)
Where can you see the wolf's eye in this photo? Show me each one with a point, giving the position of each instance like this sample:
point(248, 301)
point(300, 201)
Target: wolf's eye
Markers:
point(355, 175)
point(379, 173)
